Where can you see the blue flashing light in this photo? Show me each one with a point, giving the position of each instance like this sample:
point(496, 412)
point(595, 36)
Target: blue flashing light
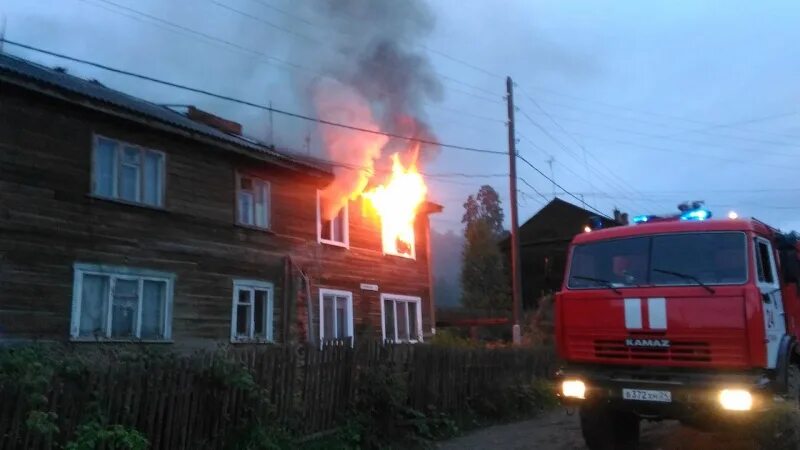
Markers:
point(696, 214)
point(641, 219)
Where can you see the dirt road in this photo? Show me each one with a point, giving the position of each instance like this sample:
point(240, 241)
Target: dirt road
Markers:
point(557, 431)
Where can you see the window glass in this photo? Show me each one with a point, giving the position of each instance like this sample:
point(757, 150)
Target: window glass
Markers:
point(153, 303)
point(388, 320)
point(337, 227)
point(413, 329)
point(243, 314)
point(152, 178)
point(93, 306)
point(621, 261)
point(124, 308)
point(334, 230)
point(667, 259)
point(261, 205)
point(402, 321)
point(110, 301)
point(253, 202)
point(341, 317)
point(765, 274)
point(128, 172)
point(104, 162)
point(260, 314)
point(335, 316)
point(328, 316)
point(713, 258)
point(245, 208)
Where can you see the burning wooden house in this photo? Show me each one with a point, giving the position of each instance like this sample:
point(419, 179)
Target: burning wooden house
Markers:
point(122, 220)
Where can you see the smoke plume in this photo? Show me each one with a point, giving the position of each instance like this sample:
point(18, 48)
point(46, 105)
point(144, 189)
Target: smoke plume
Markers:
point(377, 77)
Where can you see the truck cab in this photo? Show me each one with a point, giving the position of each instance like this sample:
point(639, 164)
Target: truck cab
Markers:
point(683, 317)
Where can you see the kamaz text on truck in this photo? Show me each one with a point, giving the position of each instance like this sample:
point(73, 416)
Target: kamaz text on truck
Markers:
point(681, 317)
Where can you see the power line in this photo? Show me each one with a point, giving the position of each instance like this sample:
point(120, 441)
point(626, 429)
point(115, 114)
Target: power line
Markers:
point(525, 182)
point(236, 46)
point(576, 141)
point(568, 150)
point(522, 158)
point(256, 105)
point(265, 22)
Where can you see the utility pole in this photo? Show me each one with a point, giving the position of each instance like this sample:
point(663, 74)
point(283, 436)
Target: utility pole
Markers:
point(516, 279)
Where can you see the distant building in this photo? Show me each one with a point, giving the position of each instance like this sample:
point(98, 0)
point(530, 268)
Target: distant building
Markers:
point(544, 240)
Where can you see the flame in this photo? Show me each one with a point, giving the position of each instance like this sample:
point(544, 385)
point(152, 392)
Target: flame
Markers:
point(396, 203)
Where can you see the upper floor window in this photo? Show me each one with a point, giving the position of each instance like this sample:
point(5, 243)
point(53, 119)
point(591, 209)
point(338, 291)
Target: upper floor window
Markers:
point(252, 202)
point(252, 315)
point(121, 303)
point(334, 231)
point(127, 172)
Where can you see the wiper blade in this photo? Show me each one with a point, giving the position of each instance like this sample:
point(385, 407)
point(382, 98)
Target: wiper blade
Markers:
point(605, 283)
point(686, 276)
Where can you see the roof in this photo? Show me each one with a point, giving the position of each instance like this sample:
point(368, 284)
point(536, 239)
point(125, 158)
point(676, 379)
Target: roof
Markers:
point(29, 75)
point(674, 226)
point(557, 221)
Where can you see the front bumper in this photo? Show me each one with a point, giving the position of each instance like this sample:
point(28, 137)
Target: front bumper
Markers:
point(691, 394)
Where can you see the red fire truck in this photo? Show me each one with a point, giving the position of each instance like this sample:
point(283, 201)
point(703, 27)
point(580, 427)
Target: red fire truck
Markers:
point(682, 317)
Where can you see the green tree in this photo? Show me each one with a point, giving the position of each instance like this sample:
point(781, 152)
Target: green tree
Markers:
point(484, 278)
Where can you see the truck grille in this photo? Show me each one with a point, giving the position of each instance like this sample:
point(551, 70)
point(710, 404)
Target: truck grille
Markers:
point(678, 351)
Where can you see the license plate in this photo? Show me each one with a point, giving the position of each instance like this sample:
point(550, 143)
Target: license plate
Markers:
point(645, 395)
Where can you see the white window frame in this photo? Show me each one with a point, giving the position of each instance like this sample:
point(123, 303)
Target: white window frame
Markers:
point(252, 286)
point(346, 224)
point(267, 201)
point(337, 293)
point(405, 299)
point(120, 273)
point(117, 166)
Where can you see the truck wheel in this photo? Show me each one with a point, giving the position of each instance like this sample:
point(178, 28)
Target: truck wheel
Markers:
point(606, 429)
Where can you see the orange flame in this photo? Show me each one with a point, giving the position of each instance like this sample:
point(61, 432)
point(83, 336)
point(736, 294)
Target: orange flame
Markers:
point(396, 203)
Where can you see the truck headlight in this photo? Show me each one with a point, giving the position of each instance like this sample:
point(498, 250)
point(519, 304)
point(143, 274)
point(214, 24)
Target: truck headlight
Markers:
point(573, 388)
point(736, 400)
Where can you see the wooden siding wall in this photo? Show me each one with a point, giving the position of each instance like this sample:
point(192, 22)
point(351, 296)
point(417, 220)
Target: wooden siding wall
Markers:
point(48, 221)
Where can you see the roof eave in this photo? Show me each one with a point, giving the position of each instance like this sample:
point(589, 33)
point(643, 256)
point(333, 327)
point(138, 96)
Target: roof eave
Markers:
point(123, 113)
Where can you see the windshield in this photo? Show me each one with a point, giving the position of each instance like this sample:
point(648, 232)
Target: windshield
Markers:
point(660, 260)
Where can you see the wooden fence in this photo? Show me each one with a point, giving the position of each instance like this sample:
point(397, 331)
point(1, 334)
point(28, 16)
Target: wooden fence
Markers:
point(197, 402)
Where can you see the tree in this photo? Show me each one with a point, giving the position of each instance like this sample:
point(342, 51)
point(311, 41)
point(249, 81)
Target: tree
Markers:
point(484, 275)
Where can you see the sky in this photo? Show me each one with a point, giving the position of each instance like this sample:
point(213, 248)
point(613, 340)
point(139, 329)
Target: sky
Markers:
point(627, 104)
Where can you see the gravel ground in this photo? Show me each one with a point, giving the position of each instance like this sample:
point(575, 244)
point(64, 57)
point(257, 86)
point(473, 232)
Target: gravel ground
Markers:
point(558, 431)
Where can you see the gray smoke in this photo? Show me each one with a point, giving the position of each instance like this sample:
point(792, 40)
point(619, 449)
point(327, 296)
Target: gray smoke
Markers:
point(369, 50)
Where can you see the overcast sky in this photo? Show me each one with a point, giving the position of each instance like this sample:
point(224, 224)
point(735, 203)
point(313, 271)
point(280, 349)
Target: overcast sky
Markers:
point(639, 105)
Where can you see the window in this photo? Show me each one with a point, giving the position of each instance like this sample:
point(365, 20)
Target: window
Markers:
point(399, 241)
point(336, 314)
point(764, 262)
point(402, 318)
point(334, 231)
point(121, 303)
point(127, 172)
point(252, 314)
point(252, 202)
point(662, 260)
